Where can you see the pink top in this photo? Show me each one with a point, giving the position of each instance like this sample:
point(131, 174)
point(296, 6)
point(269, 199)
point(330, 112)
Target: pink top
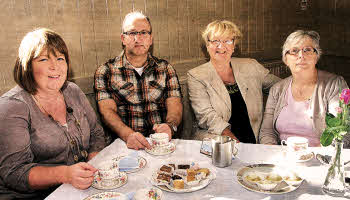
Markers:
point(295, 119)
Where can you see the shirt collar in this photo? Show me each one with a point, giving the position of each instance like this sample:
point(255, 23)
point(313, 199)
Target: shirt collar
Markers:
point(125, 63)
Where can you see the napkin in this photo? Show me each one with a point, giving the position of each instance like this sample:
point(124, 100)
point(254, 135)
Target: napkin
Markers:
point(207, 148)
point(130, 195)
point(129, 162)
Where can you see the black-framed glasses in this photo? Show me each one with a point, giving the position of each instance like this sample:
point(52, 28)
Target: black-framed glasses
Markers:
point(306, 50)
point(134, 33)
point(218, 42)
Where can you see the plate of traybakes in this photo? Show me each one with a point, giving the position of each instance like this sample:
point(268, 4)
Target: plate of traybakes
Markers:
point(268, 179)
point(181, 177)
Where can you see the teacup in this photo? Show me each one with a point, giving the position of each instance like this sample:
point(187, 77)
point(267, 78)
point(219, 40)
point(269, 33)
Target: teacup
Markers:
point(159, 139)
point(297, 146)
point(108, 171)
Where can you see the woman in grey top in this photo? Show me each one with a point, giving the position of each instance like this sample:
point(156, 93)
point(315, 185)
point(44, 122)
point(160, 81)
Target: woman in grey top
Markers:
point(48, 128)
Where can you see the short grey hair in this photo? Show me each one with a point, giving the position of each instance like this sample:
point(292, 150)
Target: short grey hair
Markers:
point(299, 35)
point(135, 15)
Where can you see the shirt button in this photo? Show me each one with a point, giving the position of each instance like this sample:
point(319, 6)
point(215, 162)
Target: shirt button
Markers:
point(75, 158)
point(84, 154)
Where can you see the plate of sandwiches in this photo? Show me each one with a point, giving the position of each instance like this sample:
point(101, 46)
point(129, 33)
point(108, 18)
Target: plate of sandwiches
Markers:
point(182, 177)
point(268, 179)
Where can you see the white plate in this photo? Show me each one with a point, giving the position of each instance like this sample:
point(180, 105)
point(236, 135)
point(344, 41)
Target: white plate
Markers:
point(161, 151)
point(148, 193)
point(202, 184)
point(263, 168)
point(107, 196)
point(120, 181)
point(142, 164)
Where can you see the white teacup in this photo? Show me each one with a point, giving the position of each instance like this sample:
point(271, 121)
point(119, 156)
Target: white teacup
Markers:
point(108, 171)
point(297, 146)
point(159, 139)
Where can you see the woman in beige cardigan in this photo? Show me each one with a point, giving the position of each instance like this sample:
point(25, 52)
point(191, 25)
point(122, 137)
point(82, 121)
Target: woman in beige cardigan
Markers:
point(297, 105)
point(226, 93)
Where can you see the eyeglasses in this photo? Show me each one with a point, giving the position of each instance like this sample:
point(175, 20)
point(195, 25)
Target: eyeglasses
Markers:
point(218, 42)
point(306, 50)
point(134, 33)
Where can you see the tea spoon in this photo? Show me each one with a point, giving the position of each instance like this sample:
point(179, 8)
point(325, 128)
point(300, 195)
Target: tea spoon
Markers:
point(326, 159)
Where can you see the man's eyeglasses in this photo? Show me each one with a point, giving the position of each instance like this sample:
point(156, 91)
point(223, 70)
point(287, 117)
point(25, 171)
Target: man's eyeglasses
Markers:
point(306, 50)
point(134, 33)
point(218, 42)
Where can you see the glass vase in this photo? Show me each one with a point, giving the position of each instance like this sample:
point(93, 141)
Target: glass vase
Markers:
point(334, 185)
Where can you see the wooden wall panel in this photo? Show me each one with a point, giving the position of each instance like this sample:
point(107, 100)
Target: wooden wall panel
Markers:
point(86, 38)
point(91, 29)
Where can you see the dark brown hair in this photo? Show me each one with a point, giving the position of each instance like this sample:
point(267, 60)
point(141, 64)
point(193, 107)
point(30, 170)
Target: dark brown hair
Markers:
point(30, 48)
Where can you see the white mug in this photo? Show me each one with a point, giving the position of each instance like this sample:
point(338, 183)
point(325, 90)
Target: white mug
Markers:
point(296, 145)
point(159, 139)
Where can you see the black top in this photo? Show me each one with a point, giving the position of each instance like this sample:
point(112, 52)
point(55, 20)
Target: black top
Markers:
point(240, 124)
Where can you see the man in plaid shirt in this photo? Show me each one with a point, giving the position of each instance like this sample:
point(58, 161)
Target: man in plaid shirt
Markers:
point(138, 93)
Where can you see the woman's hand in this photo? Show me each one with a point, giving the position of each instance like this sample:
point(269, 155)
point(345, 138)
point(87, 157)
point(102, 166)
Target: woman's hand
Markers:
point(227, 132)
point(92, 155)
point(80, 175)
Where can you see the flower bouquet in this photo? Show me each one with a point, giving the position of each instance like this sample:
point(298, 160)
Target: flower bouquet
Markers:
point(337, 127)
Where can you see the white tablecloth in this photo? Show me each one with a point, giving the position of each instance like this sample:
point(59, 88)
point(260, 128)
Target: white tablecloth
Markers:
point(225, 186)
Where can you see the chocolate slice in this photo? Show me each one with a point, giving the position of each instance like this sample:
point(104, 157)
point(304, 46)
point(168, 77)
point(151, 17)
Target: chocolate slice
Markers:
point(164, 177)
point(176, 177)
point(183, 166)
point(165, 168)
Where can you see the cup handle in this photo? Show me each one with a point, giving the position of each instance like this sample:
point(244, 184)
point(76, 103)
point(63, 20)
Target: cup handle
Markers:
point(284, 143)
point(234, 151)
point(204, 150)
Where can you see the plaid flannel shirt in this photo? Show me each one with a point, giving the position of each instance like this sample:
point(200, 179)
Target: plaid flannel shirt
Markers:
point(140, 99)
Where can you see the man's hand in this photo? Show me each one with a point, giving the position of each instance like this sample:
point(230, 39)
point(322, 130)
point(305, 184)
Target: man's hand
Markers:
point(163, 128)
point(137, 141)
point(80, 175)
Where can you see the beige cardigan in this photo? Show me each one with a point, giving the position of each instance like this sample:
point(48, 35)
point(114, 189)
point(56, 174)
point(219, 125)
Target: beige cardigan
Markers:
point(324, 99)
point(211, 102)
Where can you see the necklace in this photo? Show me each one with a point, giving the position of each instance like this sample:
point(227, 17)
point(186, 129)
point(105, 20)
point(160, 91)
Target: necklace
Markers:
point(79, 153)
point(42, 107)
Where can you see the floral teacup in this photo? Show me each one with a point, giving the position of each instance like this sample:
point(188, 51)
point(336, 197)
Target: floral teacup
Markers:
point(297, 146)
point(159, 139)
point(108, 171)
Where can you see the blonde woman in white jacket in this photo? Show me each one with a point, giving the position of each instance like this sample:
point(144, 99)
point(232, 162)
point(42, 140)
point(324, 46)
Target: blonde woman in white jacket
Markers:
point(226, 93)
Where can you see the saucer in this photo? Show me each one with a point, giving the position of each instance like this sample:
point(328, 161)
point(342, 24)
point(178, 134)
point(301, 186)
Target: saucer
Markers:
point(160, 151)
point(118, 182)
point(107, 196)
point(148, 193)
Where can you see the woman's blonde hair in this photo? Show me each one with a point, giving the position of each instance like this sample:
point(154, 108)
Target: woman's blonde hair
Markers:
point(222, 28)
point(30, 48)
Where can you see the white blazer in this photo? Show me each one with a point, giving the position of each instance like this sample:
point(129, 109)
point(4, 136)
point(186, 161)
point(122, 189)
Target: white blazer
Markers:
point(211, 102)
